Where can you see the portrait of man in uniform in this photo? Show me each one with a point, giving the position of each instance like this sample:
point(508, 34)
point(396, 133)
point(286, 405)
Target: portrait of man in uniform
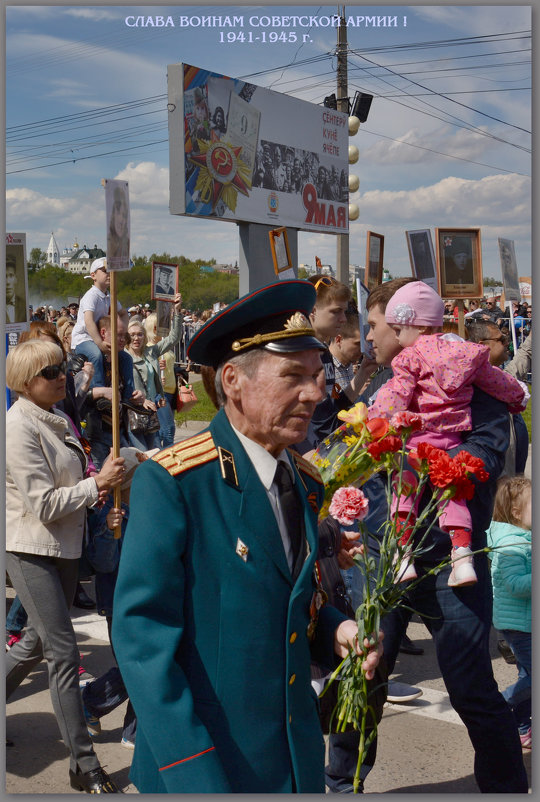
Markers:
point(164, 281)
point(459, 263)
point(16, 311)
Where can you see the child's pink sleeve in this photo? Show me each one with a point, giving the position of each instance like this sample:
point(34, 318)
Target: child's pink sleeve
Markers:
point(500, 385)
point(396, 394)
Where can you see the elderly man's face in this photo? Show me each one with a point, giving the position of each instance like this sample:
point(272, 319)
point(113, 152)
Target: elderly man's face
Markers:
point(274, 406)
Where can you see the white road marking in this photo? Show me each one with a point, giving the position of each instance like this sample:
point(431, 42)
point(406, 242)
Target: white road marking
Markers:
point(432, 704)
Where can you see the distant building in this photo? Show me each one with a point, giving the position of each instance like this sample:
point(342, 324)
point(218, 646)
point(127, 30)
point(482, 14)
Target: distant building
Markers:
point(67, 253)
point(81, 260)
point(53, 252)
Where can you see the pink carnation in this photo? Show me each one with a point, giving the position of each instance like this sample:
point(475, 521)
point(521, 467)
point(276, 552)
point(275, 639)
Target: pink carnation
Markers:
point(348, 505)
point(406, 420)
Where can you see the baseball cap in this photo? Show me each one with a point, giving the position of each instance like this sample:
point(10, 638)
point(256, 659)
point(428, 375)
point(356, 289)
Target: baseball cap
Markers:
point(99, 264)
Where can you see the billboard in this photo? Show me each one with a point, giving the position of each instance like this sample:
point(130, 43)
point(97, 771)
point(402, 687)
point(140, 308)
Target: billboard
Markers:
point(242, 153)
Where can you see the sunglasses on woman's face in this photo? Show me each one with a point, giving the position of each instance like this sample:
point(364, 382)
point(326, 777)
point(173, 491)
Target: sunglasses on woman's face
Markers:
point(53, 371)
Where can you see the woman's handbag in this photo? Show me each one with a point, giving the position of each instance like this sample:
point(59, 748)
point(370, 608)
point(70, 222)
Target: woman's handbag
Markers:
point(146, 421)
point(186, 397)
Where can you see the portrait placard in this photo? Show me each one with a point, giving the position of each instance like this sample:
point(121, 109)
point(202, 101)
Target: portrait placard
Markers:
point(16, 283)
point(509, 270)
point(459, 262)
point(281, 255)
point(118, 224)
point(163, 313)
point(164, 281)
point(422, 257)
point(374, 260)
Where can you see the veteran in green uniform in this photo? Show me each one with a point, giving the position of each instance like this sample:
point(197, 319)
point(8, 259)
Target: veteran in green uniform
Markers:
point(216, 613)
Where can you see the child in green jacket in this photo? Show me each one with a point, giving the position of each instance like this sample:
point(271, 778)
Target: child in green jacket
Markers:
point(510, 537)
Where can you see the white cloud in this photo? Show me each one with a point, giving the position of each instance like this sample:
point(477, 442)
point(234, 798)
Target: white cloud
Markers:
point(148, 183)
point(91, 14)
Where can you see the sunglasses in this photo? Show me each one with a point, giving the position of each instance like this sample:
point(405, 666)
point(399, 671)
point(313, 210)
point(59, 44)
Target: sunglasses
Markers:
point(326, 280)
point(503, 339)
point(53, 371)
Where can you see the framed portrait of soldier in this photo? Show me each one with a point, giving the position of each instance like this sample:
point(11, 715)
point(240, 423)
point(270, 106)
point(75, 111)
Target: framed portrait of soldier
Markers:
point(281, 254)
point(16, 283)
point(422, 257)
point(118, 224)
point(509, 270)
point(164, 281)
point(374, 260)
point(459, 262)
point(163, 313)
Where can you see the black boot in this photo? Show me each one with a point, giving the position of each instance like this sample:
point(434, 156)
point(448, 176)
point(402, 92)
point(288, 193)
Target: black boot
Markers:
point(96, 781)
point(82, 599)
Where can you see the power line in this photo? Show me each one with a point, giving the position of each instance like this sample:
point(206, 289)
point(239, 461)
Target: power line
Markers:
point(440, 153)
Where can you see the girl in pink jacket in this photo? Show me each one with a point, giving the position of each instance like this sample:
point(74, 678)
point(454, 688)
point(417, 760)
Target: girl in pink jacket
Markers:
point(433, 377)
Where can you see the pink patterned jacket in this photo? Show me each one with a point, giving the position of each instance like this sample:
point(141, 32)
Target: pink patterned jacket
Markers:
point(435, 378)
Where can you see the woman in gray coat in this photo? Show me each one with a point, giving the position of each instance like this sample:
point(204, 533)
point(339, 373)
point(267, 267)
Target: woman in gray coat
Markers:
point(47, 493)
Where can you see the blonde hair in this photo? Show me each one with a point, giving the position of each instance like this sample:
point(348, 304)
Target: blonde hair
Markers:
point(150, 324)
point(509, 495)
point(25, 361)
point(64, 327)
point(136, 324)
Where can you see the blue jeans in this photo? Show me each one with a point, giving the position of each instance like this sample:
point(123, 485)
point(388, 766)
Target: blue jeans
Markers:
point(144, 442)
point(90, 350)
point(17, 617)
point(518, 695)
point(459, 620)
point(167, 425)
point(106, 693)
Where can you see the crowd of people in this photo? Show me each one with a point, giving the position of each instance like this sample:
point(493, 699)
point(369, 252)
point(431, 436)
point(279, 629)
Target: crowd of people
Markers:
point(217, 557)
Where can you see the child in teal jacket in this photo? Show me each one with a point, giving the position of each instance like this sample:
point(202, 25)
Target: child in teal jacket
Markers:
point(510, 537)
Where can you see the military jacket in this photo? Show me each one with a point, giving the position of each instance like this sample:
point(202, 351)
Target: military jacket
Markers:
point(210, 629)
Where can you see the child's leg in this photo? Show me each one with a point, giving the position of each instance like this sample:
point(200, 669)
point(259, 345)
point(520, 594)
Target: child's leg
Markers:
point(92, 353)
point(456, 520)
point(406, 506)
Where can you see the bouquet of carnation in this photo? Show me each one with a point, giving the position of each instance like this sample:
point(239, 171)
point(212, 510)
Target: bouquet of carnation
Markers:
point(346, 459)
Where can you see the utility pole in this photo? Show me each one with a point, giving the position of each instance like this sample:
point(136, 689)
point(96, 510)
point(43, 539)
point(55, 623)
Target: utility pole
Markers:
point(342, 256)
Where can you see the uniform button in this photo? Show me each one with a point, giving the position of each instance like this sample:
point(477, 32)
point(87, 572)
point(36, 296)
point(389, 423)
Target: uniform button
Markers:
point(290, 719)
point(293, 637)
point(292, 679)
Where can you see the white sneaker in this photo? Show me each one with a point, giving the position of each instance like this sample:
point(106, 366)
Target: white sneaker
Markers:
point(406, 570)
point(463, 572)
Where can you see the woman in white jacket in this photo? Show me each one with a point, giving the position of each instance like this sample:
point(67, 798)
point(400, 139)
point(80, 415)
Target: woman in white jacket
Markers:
point(46, 499)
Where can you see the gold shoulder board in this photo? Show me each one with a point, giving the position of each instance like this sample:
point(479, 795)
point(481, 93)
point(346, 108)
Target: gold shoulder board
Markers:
point(187, 454)
point(306, 467)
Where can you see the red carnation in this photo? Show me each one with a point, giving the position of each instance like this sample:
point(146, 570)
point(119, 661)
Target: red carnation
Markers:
point(390, 443)
point(442, 470)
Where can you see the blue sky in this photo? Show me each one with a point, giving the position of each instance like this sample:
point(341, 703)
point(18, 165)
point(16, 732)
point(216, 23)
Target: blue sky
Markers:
point(447, 142)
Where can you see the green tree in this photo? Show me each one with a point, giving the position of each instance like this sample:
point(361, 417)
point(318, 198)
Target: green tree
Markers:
point(37, 259)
